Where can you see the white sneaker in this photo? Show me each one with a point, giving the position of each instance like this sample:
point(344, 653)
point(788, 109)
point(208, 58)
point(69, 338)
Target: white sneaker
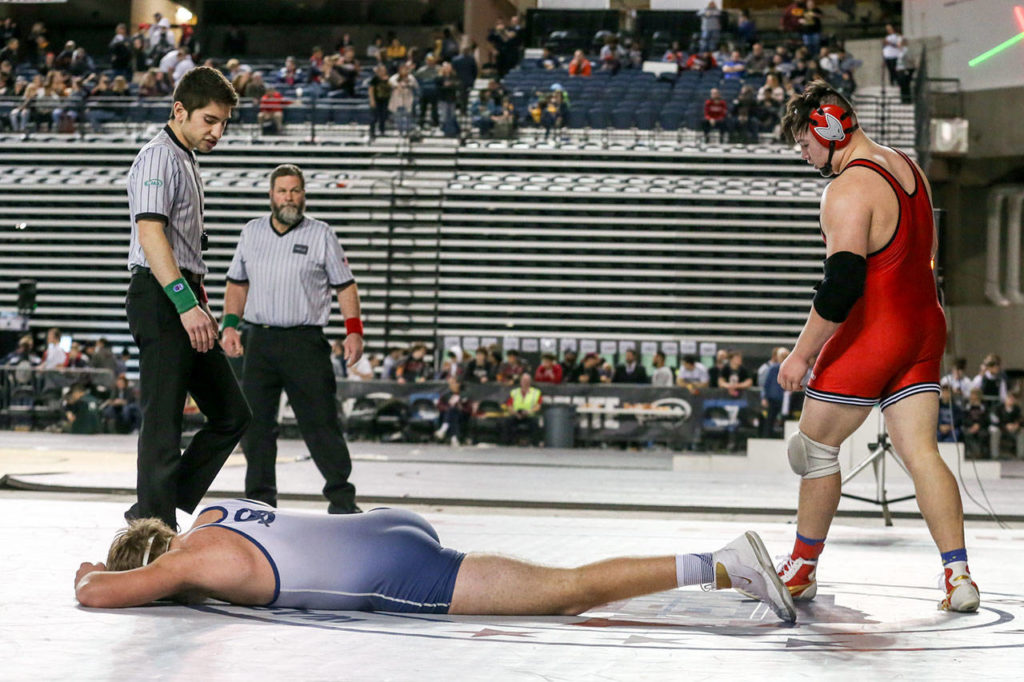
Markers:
point(962, 593)
point(455, 441)
point(439, 434)
point(745, 566)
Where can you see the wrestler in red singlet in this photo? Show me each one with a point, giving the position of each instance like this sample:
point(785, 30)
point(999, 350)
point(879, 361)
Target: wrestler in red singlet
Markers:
point(892, 342)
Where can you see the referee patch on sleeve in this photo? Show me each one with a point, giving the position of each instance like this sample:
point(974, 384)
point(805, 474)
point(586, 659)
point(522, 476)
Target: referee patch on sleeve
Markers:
point(300, 248)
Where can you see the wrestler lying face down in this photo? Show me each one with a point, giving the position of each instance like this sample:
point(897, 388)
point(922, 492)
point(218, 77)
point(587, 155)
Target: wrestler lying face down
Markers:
point(251, 554)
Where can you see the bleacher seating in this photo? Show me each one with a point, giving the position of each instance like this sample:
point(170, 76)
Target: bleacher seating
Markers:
point(501, 238)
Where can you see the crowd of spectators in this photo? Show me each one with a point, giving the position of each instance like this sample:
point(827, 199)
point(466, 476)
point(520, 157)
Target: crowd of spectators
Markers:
point(982, 410)
point(84, 383)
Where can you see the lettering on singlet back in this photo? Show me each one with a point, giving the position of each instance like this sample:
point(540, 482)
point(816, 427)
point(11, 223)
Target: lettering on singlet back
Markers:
point(258, 515)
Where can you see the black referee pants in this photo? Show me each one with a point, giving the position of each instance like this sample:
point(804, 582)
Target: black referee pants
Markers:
point(298, 360)
point(168, 369)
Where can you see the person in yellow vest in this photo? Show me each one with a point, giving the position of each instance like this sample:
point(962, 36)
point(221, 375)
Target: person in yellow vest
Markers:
point(523, 406)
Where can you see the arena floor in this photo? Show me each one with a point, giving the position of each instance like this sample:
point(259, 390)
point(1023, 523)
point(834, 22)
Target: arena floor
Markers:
point(875, 614)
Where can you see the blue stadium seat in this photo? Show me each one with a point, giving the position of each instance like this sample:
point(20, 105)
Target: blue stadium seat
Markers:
point(622, 118)
point(671, 118)
point(577, 118)
point(598, 117)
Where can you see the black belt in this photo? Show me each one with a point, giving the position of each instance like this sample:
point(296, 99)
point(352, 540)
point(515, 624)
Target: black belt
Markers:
point(297, 328)
point(187, 274)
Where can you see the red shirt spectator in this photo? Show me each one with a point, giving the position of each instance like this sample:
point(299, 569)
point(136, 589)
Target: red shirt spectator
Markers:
point(715, 109)
point(701, 61)
point(549, 372)
point(580, 65)
point(273, 102)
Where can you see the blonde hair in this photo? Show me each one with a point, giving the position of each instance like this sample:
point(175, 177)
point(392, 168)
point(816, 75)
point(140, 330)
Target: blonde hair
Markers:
point(142, 537)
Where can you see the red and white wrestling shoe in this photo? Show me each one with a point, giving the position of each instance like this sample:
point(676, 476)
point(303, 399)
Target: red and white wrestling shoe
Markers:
point(962, 593)
point(798, 575)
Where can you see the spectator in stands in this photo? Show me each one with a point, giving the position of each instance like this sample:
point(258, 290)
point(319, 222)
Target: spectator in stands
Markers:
point(734, 67)
point(45, 55)
point(379, 88)
point(662, 375)
point(710, 27)
point(140, 59)
point(605, 372)
point(111, 102)
point(119, 50)
point(790, 22)
point(81, 412)
point(568, 365)
point(455, 411)
point(316, 64)
point(905, 68)
point(448, 89)
point(81, 64)
point(160, 25)
point(587, 372)
point(891, 45)
point(505, 41)
point(991, 380)
point(579, 65)
point(772, 395)
point(404, 89)
point(810, 26)
point(950, 417)
point(8, 29)
point(348, 66)
point(290, 73)
point(376, 51)
point(631, 371)
point(22, 113)
point(675, 54)
point(746, 29)
point(547, 60)
point(959, 383)
point(513, 367)
point(734, 377)
point(22, 355)
point(1006, 426)
point(828, 63)
point(120, 411)
point(452, 367)
point(170, 59)
point(154, 84)
point(555, 112)
point(415, 368)
point(523, 406)
point(466, 69)
point(716, 111)
point(846, 85)
point(976, 422)
point(745, 115)
point(772, 98)
point(64, 57)
point(480, 370)
point(757, 61)
point(549, 371)
point(717, 370)
point(692, 375)
point(271, 114)
point(612, 55)
point(255, 88)
point(10, 52)
point(395, 53)
point(364, 368)
point(392, 361)
point(427, 76)
point(47, 105)
point(701, 61)
point(75, 358)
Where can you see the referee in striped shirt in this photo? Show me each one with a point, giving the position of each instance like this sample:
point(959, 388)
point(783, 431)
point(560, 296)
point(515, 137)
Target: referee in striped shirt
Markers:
point(167, 309)
point(281, 280)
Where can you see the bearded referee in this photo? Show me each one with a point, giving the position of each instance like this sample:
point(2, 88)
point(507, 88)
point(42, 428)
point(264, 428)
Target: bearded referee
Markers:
point(285, 268)
point(167, 309)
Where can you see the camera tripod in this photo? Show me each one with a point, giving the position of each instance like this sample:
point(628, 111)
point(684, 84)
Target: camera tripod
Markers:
point(876, 458)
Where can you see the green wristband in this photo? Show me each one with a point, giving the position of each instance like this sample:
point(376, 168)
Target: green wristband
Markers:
point(230, 321)
point(181, 295)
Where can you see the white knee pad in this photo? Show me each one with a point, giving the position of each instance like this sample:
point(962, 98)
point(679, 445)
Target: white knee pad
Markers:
point(811, 459)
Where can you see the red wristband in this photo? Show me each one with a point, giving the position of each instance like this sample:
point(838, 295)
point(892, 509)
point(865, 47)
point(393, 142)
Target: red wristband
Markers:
point(354, 325)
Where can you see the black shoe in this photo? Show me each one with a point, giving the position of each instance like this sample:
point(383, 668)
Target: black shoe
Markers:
point(335, 509)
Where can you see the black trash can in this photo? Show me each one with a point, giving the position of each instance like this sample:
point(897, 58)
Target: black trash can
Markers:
point(560, 425)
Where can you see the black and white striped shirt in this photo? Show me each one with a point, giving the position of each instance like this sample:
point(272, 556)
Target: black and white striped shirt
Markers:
point(164, 184)
point(291, 276)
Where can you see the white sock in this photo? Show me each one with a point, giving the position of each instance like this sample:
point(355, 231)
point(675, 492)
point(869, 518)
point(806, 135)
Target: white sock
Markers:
point(694, 569)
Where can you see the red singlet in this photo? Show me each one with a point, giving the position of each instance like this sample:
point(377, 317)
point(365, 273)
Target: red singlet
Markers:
point(891, 344)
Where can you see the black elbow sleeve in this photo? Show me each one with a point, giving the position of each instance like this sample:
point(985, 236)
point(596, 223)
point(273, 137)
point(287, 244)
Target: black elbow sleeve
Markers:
point(845, 273)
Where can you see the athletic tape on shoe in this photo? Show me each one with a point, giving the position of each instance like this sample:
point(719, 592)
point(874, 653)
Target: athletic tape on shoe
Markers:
point(811, 459)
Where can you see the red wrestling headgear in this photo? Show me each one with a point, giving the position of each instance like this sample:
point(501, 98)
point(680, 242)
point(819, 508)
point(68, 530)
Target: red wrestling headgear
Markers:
point(827, 125)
